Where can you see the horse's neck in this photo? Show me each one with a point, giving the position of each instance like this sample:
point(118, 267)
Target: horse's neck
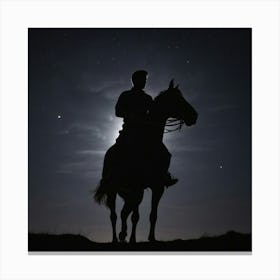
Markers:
point(158, 120)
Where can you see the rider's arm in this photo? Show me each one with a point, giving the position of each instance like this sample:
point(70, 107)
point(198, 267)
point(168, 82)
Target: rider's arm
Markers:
point(150, 103)
point(124, 108)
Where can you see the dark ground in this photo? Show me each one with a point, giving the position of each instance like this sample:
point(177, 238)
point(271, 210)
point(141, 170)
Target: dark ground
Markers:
point(229, 242)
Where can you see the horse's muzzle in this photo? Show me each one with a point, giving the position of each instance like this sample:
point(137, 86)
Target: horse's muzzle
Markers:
point(191, 120)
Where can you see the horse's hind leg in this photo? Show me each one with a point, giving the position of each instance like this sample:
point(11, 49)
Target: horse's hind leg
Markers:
point(156, 196)
point(124, 214)
point(111, 202)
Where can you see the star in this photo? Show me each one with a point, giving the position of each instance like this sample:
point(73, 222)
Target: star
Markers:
point(220, 166)
point(59, 116)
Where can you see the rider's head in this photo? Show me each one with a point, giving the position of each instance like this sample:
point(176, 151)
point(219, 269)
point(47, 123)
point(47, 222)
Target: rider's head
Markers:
point(139, 79)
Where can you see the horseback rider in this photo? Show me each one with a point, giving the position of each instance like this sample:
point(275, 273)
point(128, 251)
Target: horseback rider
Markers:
point(134, 106)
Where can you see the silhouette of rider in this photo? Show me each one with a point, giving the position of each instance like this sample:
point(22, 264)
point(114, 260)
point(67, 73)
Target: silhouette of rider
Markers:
point(134, 106)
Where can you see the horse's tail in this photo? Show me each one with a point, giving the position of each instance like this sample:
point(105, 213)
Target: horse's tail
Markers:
point(100, 193)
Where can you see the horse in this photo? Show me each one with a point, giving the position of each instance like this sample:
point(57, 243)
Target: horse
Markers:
point(169, 112)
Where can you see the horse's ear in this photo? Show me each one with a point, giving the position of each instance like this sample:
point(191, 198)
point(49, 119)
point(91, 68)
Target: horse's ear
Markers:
point(171, 84)
point(177, 87)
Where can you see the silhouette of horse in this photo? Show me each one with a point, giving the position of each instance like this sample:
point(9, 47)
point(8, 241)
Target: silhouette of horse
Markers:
point(125, 168)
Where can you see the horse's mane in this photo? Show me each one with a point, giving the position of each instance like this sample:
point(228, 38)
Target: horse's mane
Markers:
point(160, 95)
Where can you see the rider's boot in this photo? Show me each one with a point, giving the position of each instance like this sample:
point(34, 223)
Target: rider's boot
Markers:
point(170, 180)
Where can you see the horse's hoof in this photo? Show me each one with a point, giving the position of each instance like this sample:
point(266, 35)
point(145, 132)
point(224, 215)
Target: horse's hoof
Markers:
point(151, 239)
point(115, 240)
point(122, 236)
point(132, 240)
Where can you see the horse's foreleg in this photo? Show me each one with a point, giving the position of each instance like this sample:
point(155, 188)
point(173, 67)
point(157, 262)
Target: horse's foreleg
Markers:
point(124, 214)
point(111, 202)
point(135, 215)
point(134, 220)
point(156, 196)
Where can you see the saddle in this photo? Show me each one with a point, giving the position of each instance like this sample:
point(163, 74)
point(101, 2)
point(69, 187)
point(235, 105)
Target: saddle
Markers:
point(127, 165)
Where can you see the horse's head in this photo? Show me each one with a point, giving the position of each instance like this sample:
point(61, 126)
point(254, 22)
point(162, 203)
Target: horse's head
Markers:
point(176, 106)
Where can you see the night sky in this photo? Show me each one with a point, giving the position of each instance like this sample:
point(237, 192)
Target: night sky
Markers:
point(75, 78)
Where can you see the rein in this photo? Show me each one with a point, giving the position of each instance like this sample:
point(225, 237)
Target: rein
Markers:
point(173, 122)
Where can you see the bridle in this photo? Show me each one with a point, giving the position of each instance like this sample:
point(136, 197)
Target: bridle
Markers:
point(173, 122)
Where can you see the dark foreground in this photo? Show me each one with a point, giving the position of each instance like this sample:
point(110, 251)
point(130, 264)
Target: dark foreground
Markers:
point(229, 242)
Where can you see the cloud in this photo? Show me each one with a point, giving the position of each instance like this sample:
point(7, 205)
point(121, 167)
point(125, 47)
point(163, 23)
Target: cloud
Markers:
point(189, 149)
point(85, 168)
point(70, 167)
point(91, 152)
point(84, 129)
point(109, 90)
point(222, 108)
